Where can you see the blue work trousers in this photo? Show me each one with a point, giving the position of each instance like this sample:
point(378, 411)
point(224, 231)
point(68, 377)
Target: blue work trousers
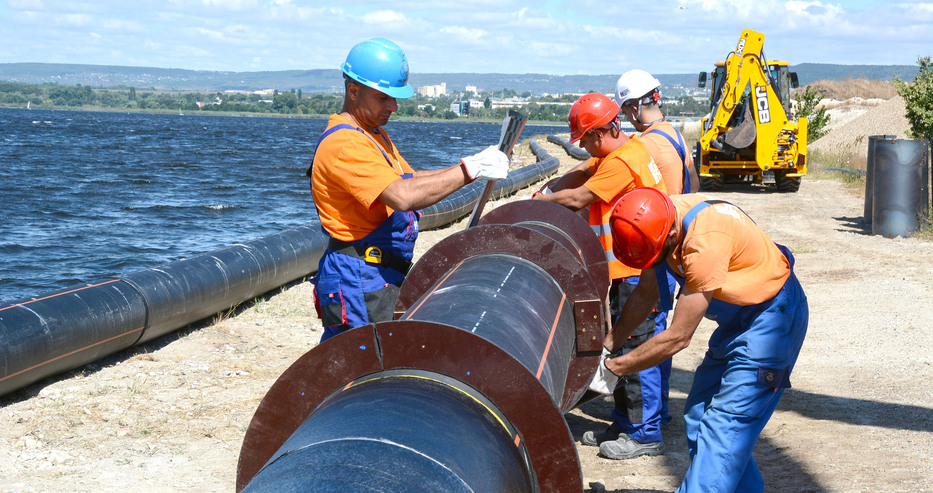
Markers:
point(736, 389)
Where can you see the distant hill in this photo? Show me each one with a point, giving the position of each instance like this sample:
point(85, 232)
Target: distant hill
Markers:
point(329, 80)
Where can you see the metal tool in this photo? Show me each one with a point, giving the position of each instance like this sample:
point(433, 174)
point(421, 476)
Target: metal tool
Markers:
point(511, 129)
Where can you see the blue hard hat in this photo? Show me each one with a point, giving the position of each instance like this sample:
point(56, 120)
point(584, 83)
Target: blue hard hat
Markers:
point(380, 64)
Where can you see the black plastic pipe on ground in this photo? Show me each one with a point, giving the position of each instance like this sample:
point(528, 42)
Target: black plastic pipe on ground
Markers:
point(64, 329)
point(572, 150)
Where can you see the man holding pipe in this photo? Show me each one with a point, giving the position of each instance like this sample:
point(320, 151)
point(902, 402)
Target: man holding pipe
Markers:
point(368, 198)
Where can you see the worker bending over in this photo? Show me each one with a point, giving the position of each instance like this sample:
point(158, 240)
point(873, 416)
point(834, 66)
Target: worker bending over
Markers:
point(730, 271)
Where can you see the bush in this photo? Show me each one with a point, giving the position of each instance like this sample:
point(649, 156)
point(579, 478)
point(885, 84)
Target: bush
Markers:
point(817, 119)
point(918, 97)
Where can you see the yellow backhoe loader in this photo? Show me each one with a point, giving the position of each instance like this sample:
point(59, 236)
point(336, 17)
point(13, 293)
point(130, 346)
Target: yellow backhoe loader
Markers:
point(747, 137)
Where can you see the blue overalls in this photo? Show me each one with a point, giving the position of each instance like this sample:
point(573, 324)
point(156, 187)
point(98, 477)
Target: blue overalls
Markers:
point(350, 290)
point(740, 382)
point(638, 396)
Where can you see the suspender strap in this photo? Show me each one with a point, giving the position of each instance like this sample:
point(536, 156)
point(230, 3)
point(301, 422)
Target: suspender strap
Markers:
point(681, 149)
point(661, 271)
point(347, 126)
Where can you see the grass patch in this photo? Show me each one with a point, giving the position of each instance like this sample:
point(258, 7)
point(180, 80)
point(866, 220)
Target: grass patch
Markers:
point(838, 166)
point(852, 88)
point(925, 233)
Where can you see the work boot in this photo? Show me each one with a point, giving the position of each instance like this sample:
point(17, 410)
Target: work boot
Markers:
point(594, 438)
point(626, 447)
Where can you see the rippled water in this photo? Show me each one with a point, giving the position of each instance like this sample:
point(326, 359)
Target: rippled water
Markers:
point(91, 195)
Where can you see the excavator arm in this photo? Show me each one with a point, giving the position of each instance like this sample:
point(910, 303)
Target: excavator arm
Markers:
point(748, 130)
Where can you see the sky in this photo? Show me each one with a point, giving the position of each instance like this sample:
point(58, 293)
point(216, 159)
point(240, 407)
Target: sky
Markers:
point(576, 37)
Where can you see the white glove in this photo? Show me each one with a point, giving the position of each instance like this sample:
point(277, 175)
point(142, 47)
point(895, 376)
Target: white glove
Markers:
point(490, 164)
point(604, 381)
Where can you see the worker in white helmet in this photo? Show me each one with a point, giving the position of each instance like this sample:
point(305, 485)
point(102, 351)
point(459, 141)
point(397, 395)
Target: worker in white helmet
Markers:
point(638, 93)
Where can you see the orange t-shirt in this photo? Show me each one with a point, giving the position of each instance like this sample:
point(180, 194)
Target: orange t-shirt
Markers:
point(348, 176)
point(725, 252)
point(672, 168)
point(623, 170)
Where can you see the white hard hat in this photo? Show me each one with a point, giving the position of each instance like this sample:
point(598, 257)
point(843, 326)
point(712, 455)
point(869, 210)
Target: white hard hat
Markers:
point(635, 84)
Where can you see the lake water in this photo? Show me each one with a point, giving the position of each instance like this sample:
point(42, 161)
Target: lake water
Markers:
point(93, 195)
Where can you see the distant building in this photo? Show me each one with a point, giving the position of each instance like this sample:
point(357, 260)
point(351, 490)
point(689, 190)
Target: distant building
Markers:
point(471, 89)
point(461, 108)
point(433, 91)
point(508, 103)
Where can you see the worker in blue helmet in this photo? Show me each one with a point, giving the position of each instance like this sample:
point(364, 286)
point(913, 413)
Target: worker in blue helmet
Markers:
point(368, 198)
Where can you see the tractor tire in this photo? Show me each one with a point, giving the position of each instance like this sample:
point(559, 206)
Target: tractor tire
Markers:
point(786, 184)
point(711, 184)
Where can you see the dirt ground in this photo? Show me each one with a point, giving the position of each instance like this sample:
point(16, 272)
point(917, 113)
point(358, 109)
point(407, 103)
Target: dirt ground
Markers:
point(171, 415)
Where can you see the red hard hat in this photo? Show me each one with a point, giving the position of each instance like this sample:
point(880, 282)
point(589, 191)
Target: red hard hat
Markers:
point(640, 222)
point(590, 111)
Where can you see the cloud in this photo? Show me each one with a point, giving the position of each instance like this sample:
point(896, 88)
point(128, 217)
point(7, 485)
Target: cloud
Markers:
point(552, 37)
point(384, 17)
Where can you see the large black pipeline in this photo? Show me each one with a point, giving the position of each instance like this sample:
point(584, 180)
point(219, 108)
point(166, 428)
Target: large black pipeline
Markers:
point(61, 330)
point(64, 329)
point(498, 329)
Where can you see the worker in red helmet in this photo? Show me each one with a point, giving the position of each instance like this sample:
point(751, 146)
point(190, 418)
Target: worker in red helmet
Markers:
point(619, 164)
point(367, 196)
point(731, 272)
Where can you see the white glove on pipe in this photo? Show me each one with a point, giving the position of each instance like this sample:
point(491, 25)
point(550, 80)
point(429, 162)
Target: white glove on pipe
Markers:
point(490, 164)
point(604, 381)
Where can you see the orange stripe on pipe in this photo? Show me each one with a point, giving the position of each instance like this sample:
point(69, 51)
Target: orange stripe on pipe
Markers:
point(57, 294)
point(73, 352)
point(550, 338)
point(425, 297)
point(518, 440)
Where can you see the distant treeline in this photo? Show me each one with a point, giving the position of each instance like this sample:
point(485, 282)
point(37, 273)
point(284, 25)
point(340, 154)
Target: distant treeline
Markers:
point(331, 80)
point(291, 102)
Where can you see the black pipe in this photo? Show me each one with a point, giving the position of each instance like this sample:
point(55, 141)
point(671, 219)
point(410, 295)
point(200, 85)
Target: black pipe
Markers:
point(511, 309)
point(572, 150)
point(71, 327)
point(513, 304)
point(411, 431)
point(64, 329)
point(460, 203)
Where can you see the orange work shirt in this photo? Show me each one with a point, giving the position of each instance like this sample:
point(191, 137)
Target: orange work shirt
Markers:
point(348, 175)
point(621, 171)
point(725, 252)
point(666, 156)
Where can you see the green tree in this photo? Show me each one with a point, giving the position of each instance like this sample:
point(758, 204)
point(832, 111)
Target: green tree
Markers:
point(918, 97)
point(284, 102)
point(817, 118)
point(487, 103)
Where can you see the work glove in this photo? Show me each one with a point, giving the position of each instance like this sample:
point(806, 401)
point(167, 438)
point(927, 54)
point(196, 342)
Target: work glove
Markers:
point(490, 164)
point(604, 381)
